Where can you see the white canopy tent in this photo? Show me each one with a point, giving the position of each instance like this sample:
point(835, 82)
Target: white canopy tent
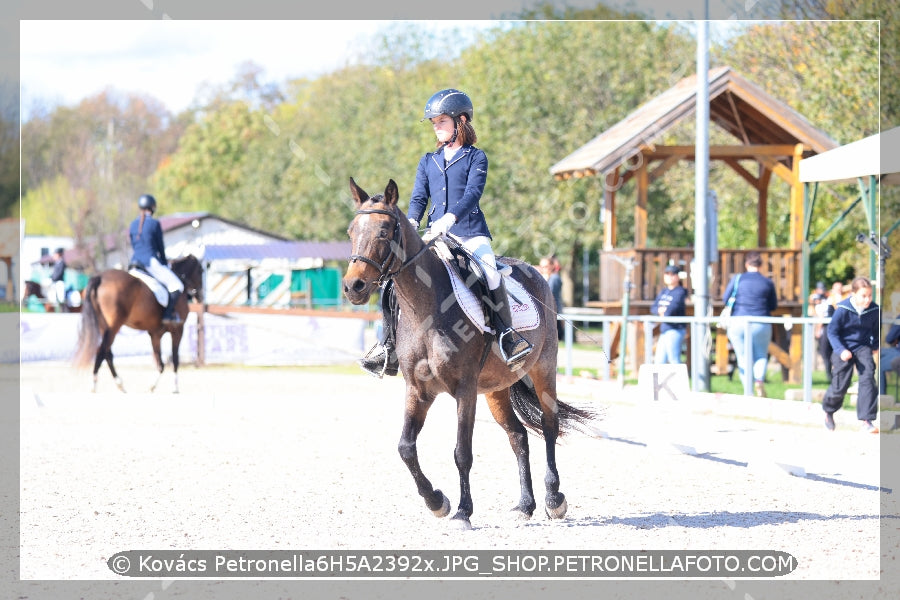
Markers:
point(861, 158)
point(869, 161)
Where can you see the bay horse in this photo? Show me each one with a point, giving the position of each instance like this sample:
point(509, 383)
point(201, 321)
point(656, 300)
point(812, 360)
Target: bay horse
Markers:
point(32, 288)
point(439, 351)
point(115, 298)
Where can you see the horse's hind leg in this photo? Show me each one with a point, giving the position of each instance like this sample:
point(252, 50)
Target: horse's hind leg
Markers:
point(414, 419)
point(176, 342)
point(104, 353)
point(545, 389)
point(503, 413)
point(155, 341)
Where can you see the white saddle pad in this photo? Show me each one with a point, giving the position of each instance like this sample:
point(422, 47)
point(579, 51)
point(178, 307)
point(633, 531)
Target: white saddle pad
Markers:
point(521, 305)
point(158, 289)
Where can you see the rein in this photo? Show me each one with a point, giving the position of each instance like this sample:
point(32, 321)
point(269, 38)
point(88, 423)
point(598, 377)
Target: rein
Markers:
point(384, 273)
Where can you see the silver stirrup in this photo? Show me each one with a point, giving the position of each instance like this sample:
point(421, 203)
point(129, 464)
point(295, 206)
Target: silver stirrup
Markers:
point(518, 356)
point(384, 365)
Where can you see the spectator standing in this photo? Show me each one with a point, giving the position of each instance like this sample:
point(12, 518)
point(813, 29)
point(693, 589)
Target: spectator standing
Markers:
point(817, 308)
point(826, 309)
point(670, 302)
point(549, 268)
point(755, 297)
point(854, 332)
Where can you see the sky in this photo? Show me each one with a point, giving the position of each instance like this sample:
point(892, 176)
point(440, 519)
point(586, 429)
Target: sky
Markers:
point(63, 61)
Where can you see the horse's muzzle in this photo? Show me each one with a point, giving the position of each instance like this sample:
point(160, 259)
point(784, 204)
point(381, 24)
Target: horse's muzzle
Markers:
point(357, 290)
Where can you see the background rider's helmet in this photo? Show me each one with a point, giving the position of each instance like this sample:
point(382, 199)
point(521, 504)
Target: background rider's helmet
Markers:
point(449, 102)
point(147, 202)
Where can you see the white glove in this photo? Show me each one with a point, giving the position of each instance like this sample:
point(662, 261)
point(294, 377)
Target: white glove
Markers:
point(443, 224)
point(414, 222)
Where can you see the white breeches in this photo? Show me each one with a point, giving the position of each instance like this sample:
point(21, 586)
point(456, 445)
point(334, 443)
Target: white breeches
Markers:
point(59, 292)
point(480, 246)
point(165, 275)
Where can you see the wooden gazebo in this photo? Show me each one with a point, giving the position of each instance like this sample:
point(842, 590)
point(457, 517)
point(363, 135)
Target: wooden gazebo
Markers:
point(768, 132)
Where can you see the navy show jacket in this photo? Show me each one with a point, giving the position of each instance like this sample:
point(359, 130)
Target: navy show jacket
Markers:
point(456, 189)
point(148, 243)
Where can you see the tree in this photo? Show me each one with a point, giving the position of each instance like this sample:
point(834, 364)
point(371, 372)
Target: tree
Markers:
point(9, 150)
point(828, 72)
point(90, 163)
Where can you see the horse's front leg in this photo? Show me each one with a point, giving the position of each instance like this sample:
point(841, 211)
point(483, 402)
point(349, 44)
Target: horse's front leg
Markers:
point(465, 425)
point(413, 420)
point(155, 341)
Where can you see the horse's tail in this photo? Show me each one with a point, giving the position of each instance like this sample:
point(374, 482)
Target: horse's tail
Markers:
point(89, 328)
point(528, 407)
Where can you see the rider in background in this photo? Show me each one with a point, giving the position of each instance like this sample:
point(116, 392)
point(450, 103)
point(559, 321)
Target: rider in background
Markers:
point(453, 178)
point(58, 280)
point(149, 252)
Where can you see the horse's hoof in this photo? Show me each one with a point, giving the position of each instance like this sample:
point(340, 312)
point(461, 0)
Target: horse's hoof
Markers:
point(461, 523)
point(517, 514)
point(559, 512)
point(444, 510)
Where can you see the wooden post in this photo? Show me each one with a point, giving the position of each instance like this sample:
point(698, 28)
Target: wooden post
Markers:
point(611, 185)
point(796, 356)
point(201, 337)
point(640, 207)
point(763, 206)
point(796, 200)
point(200, 309)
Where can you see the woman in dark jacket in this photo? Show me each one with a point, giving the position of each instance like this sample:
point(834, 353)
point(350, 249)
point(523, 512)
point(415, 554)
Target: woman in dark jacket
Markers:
point(853, 332)
point(149, 251)
point(755, 298)
point(452, 178)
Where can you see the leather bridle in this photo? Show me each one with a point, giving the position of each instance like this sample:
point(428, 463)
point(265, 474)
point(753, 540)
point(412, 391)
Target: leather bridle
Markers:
point(395, 248)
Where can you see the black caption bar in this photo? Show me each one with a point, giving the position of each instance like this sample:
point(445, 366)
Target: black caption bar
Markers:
point(221, 564)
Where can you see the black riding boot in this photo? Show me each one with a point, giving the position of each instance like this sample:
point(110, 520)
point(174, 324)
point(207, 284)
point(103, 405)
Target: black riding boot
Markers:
point(170, 316)
point(513, 347)
point(384, 361)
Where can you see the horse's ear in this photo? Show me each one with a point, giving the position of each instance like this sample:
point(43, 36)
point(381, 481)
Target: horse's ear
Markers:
point(390, 193)
point(359, 194)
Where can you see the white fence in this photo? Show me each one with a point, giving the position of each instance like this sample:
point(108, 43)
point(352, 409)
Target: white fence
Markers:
point(251, 339)
point(700, 330)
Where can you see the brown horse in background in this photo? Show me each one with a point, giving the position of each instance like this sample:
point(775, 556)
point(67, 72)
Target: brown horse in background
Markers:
point(115, 298)
point(439, 353)
point(32, 288)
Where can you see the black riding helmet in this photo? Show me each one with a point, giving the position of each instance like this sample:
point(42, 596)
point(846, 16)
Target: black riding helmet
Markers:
point(449, 102)
point(147, 202)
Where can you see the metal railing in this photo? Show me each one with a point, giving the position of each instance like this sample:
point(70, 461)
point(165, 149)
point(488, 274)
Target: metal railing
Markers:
point(700, 330)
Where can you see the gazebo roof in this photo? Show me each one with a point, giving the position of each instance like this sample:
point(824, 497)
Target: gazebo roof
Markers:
point(737, 105)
